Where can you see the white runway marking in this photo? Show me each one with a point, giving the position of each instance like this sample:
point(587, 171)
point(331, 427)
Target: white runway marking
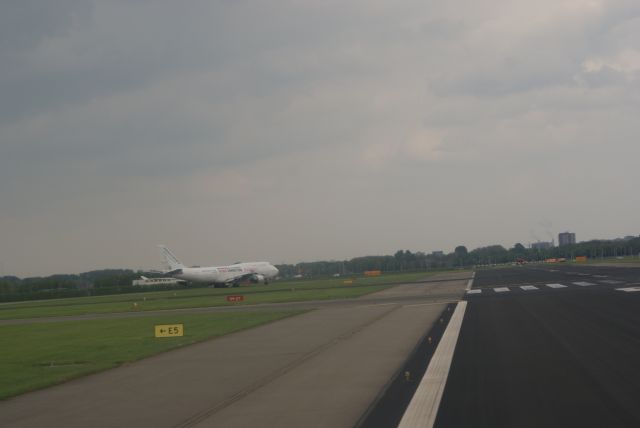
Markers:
point(473, 275)
point(600, 276)
point(556, 286)
point(423, 408)
point(610, 281)
point(501, 289)
point(629, 289)
point(528, 287)
point(583, 283)
point(474, 291)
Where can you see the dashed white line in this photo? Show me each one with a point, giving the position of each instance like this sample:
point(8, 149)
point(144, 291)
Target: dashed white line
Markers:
point(583, 283)
point(556, 286)
point(474, 291)
point(501, 289)
point(610, 281)
point(528, 287)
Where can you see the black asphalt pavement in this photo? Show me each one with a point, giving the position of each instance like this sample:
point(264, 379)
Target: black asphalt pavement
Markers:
point(562, 352)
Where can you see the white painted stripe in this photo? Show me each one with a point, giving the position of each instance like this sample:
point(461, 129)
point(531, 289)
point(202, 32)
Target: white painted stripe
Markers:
point(600, 276)
point(610, 281)
point(501, 289)
point(473, 275)
point(475, 291)
point(556, 286)
point(424, 405)
point(583, 283)
point(629, 289)
point(528, 287)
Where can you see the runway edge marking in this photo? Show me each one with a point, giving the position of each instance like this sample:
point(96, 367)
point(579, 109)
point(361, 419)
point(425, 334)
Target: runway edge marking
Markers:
point(423, 408)
point(470, 283)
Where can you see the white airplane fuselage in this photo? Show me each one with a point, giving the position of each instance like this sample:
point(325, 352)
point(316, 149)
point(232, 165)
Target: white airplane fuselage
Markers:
point(260, 271)
point(219, 275)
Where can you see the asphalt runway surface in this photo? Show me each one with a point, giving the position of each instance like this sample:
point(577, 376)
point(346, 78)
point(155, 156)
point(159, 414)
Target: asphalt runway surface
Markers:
point(323, 368)
point(547, 346)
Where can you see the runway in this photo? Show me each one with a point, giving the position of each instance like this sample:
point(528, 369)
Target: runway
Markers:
point(322, 368)
point(551, 346)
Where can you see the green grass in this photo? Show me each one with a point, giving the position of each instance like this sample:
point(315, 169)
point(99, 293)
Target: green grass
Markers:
point(277, 292)
point(37, 355)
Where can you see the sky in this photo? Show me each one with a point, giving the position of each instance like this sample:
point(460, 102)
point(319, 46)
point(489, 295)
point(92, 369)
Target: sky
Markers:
point(290, 131)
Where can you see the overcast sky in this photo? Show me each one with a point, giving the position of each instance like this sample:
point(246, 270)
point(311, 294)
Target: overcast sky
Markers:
point(298, 131)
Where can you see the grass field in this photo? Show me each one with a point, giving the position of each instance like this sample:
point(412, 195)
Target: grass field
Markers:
point(277, 292)
point(37, 355)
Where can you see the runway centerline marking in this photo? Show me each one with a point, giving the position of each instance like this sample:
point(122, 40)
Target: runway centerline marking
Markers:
point(529, 287)
point(501, 289)
point(556, 286)
point(474, 291)
point(583, 283)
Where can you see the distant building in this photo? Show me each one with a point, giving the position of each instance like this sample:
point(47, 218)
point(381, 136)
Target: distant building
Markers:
point(566, 238)
point(541, 245)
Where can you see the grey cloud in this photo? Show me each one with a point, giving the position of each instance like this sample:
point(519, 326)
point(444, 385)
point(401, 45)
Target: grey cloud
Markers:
point(26, 23)
point(124, 121)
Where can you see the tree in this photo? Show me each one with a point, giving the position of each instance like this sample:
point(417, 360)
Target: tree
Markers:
point(461, 251)
point(519, 248)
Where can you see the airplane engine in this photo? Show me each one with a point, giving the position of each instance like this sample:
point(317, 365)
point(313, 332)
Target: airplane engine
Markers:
point(257, 278)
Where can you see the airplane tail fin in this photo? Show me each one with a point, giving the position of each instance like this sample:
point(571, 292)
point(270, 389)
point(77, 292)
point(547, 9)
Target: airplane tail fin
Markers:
point(169, 259)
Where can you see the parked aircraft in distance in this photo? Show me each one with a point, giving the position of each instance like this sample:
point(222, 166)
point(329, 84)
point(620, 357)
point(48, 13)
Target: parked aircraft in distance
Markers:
point(219, 276)
point(157, 281)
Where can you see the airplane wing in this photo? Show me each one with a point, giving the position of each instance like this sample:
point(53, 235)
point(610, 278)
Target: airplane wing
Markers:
point(165, 272)
point(240, 278)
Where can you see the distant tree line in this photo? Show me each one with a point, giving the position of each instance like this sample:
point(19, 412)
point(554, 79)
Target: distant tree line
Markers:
point(94, 283)
point(118, 281)
point(405, 260)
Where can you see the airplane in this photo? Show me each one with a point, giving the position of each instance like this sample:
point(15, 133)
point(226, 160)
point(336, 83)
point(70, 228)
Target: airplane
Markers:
point(219, 276)
point(157, 281)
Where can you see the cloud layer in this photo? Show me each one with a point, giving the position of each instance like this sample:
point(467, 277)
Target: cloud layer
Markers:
point(289, 131)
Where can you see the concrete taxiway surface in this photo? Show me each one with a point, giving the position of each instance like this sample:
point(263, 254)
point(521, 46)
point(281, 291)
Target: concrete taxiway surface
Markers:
point(552, 346)
point(322, 368)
